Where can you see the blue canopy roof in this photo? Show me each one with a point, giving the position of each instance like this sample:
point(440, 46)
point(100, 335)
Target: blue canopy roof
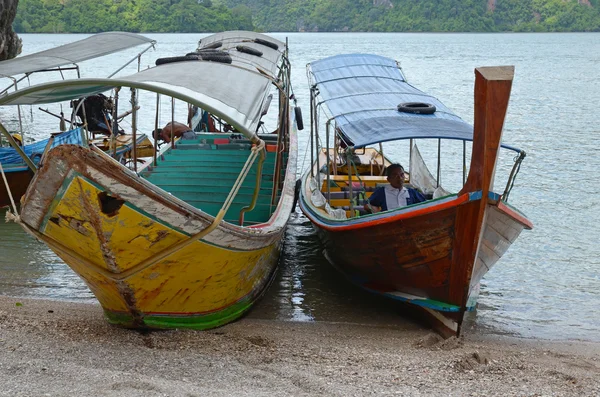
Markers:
point(9, 156)
point(362, 93)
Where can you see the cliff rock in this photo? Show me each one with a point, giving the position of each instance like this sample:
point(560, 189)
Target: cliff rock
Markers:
point(10, 43)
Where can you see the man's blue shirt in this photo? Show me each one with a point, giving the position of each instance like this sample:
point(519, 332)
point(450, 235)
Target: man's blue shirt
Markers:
point(378, 197)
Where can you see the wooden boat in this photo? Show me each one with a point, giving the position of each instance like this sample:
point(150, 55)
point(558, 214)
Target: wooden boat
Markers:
point(193, 239)
point(59, 60)
point(432, 254)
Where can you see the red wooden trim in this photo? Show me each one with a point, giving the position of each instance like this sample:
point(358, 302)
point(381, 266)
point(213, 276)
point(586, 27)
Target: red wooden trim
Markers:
point(515, 215)
point(390, 219)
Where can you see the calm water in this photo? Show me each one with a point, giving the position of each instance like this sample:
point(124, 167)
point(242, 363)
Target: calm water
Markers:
point(546, 286)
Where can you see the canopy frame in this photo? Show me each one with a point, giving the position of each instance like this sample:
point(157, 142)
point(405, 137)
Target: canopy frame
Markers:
point(323, 75)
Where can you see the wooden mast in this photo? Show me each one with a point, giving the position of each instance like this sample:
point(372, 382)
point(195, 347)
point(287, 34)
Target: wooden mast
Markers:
point(492, 93)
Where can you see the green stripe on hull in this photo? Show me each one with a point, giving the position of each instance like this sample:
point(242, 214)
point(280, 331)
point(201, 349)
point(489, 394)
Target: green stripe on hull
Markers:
point(193, 321)
point(170, 321)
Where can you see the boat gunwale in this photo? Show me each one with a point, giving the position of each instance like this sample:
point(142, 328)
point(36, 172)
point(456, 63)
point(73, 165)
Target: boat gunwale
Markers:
point(398, 214)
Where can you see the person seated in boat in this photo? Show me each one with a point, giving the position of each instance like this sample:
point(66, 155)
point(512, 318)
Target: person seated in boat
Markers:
point(96, 111)
point(179, 130)
point(394, 195)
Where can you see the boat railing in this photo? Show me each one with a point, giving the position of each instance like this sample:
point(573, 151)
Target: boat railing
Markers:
point(252, 156)
point(513, 175)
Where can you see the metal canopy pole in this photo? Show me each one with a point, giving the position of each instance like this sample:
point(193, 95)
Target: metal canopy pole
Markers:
point(335, 149)
point(172, 122)
point(134, 126)
point(133, 59)
point(115, 126)
point(410, 144)
point(156, 128)
point(16, 146)
point(464, 162)
point(439, 161)
point(312, 122)
point(317, 149)
point(327, 159)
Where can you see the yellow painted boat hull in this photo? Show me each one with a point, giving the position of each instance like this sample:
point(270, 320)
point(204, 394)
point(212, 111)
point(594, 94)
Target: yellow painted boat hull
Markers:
point(120, 234)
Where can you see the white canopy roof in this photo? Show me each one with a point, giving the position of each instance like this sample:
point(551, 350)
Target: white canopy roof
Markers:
point(92, 47)
point(268, 62)
point(233, 93)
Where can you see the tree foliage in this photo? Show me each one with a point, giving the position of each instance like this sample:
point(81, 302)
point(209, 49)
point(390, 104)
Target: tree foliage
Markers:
point(89, 16)
point(423, 15)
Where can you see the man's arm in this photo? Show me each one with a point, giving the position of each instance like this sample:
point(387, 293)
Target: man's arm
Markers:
point(416, 196)
point(375, 202)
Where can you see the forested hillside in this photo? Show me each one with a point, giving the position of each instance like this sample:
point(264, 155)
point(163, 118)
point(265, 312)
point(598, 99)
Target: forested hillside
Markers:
point(307, 15)
point(424, 15)
point(91, 16)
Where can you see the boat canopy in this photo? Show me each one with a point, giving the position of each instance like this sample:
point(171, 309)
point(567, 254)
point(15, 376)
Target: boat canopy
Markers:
point(234, 42)
point(9, 156)
point(230, 92)
point(92, 47)
point(361, 92)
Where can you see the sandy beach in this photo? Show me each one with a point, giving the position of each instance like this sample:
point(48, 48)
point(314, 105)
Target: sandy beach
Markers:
point(53, 348)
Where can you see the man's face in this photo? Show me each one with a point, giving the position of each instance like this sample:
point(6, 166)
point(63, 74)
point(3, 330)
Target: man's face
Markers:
point(396, 178)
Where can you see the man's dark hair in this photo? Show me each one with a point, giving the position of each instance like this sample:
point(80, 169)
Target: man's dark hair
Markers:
point(390, 168)
point(157, 134)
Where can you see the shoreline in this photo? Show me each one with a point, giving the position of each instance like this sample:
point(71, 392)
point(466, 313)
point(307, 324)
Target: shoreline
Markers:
point(59, 348)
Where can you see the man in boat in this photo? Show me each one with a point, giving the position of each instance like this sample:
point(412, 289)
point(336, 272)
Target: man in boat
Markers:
point(97, 112)
point(179, 130)
point(394, 195)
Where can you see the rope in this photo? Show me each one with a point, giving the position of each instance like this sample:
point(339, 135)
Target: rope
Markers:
point(10, 216)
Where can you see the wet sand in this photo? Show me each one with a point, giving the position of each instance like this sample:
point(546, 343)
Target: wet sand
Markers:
point(53, 348)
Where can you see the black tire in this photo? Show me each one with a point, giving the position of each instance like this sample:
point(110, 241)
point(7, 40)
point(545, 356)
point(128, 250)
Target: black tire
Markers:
point(211, 55)
point(206, 51)
point(216, 44)
point(416, 108)
point(249, 50)
point(215, 56)
point(267, 43)
point(189, 57)
point(299, 121)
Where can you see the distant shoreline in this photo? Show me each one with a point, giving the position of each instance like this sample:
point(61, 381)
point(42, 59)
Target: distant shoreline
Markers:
point(336, 32)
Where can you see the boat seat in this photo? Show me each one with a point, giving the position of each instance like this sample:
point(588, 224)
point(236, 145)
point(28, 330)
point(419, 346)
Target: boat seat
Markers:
point(234, 146)
point(195, 146)
point(345, 194)
point(366, 188)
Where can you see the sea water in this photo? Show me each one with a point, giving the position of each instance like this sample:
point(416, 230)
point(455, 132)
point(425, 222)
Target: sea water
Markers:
point(546, 286)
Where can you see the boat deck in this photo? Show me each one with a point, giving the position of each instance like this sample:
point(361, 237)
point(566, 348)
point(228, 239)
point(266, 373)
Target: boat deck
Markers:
point(202, 172)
